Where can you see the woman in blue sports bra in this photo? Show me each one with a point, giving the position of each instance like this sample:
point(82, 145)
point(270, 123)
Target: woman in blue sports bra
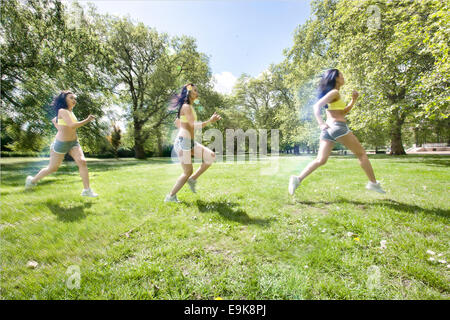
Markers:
point(66, 141)
point(335, 130)
point(184, 145)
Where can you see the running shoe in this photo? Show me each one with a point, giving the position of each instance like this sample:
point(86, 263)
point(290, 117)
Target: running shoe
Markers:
point(28, 183)
point(375, 187)
point(89, 193)
point(293, 184)
point(171, 198)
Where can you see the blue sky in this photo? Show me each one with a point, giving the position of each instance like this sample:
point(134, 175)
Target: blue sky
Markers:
point(239, 36)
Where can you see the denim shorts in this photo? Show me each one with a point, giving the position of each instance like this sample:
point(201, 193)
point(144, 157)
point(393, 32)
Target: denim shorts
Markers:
point(336, 130)
point(184, 144)
point(63, 147)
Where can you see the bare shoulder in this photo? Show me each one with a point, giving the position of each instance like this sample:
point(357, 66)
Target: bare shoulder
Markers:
point(62, 112)
point(186, 108)
point(333, 95)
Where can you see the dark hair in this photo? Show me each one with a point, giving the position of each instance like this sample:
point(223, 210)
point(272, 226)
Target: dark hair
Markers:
point(328, 82)
point(179, 99)
point(60, 101)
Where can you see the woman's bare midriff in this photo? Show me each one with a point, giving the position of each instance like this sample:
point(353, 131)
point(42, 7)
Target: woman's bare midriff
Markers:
point(66, 134)
point(186, 131)
point(335, 115)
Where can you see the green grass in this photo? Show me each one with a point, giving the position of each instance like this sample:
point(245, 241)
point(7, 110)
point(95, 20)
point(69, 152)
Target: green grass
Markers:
point(240, 237)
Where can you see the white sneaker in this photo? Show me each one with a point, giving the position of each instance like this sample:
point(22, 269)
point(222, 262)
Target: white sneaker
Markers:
point(89, 193)
point(375, 187)
point(191, 183)
point(28, 183)
point(171, 199)
point(293, 184)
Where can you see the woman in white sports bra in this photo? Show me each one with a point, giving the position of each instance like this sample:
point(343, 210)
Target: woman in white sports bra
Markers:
point(66, 141)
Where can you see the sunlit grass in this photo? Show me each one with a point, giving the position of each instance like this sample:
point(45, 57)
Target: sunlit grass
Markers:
point(241, 236)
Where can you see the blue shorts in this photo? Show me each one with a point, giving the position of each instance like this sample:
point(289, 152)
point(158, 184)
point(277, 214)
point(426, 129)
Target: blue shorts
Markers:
point(63, 147)
point(184, 144)
point(336, 130)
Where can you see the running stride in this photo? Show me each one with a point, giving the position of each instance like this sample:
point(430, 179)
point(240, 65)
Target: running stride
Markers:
point(66, 141)
point(335, 130)
point(184, 145)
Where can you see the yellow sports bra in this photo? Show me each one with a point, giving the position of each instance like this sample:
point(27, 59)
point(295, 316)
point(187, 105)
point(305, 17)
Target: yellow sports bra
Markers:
point(61, 121)
point(184, 119)
point(337, 105)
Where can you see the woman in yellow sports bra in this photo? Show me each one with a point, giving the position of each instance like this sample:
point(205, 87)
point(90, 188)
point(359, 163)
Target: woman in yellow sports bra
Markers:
point(66, 141)
point(335, 130)
point(184, 145)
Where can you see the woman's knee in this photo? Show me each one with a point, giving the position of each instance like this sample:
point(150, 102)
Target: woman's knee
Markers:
point(82, 162)
point(52, 169)
point(188, 172)
point(361, 155)
point(209, 159)
point(321, 161)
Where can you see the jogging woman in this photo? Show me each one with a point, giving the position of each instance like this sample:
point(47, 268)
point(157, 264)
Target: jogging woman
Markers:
point(66, 141)
point(184, 145)
point(335, 130)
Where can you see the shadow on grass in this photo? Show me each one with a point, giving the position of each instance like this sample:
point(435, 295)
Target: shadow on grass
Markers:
point(228, 211)
point(68, 214)
point(395, 205)
point(19, 181)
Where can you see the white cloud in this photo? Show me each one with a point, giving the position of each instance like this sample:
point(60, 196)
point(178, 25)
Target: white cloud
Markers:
point(224, 82)
point(264, 73)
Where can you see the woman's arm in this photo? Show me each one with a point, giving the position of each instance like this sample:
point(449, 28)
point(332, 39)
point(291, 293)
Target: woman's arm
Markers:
point(355, 95)
point(215, 117)
point(329, 97)
point(74, 125)
point(54, 121)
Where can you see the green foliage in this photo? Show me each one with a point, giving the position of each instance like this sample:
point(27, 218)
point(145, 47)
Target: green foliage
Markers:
point(42, 53)
point(398, 60)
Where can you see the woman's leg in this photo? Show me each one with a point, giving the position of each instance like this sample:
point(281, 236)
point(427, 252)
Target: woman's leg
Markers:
point(186, 164)
point(325, 148)
point(208, 157)
point(55, 161)
point(351, 142)
point(77, 154)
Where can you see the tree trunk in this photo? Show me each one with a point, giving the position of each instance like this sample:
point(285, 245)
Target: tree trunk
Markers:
point(396, 138)
point(138, 143)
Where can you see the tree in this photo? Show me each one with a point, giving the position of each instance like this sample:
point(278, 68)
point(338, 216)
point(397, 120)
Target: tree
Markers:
point(152, 68)
point(115, 137)
point(42, 54)
point(387, 60)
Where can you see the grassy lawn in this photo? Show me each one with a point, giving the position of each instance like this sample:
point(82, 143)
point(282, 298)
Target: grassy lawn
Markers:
point(241, 236)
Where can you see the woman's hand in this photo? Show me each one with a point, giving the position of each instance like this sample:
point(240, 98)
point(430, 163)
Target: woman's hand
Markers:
point(323, 126)
point(215, 117)
point(90, 118)
point(355, 95)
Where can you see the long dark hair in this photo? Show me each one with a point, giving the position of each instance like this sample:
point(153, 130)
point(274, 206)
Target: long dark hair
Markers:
point(328, 82)
point(60, 101)
point(179, 99)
